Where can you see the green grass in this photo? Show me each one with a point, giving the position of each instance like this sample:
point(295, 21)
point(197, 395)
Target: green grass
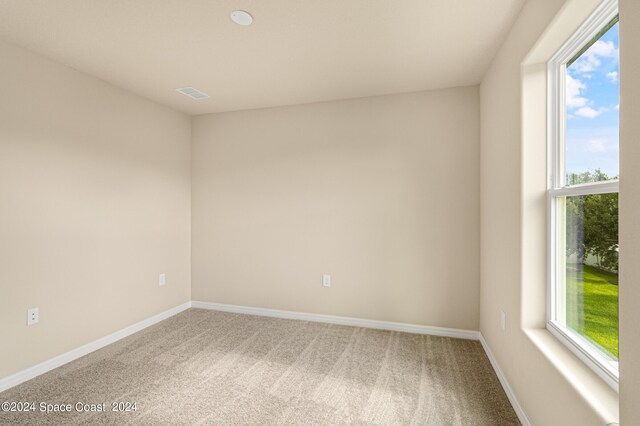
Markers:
point(592, 305)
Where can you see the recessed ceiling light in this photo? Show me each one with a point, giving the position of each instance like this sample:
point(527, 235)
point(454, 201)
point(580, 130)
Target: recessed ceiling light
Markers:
point(193, 93)
point(241, 17)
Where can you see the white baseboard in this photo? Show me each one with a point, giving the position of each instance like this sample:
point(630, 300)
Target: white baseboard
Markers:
point(43, 367)
point(356, 322)
point(505, 384)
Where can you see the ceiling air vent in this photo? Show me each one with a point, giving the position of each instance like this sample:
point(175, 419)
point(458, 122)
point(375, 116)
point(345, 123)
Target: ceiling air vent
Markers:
point(192, 93)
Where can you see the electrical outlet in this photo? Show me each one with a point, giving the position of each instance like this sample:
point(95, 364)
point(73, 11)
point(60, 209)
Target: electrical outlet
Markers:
point(326, 280)
point(503, 320)
point(162, 279)
point(33, 316)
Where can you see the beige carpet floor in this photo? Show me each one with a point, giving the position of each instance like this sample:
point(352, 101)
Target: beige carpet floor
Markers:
point(207, 367)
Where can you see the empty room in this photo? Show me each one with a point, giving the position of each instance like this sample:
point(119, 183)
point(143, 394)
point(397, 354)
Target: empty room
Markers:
point(331, 212)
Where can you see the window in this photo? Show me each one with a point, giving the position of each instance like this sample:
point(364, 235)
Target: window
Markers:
point(583, 193)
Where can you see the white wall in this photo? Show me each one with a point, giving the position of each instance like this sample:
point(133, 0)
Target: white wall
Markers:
point(382, 193)
point(94, 204)
point(629, 208)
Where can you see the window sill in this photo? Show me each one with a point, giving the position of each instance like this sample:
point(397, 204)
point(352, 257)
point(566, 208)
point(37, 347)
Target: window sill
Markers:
point(597, 394)
point(604, 367)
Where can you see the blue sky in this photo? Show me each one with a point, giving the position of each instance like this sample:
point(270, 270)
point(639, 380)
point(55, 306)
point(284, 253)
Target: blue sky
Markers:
point(593, 103)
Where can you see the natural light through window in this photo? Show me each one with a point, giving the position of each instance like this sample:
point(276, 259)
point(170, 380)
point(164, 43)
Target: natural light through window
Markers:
point(583, 193)
point(592, 98)
point(593, 102)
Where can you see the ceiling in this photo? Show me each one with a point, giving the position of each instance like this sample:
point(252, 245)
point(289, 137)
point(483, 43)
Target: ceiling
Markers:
point(296, 51)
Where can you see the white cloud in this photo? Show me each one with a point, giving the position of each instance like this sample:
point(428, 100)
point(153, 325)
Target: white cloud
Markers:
point(574, 88)
point(612, 76)
point(618, 107)
point(602, 48)
point(591, 59)
point(596, 145)
point(585, 64)
point(587, 112)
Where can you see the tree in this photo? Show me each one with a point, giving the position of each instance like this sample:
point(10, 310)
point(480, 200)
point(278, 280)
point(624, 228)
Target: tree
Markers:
point(587, 177)
point(592, 222)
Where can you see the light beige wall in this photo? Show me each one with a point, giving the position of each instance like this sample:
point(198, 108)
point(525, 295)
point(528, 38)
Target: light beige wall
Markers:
point(381, 193)
point(629, 212)
point(551, 384)
point(94, 204)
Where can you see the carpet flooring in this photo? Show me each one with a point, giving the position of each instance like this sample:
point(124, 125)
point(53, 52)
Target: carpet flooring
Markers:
point(208, 367)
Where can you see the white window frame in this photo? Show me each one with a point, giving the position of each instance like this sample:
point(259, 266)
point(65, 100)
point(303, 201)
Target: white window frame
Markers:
point(603, 366)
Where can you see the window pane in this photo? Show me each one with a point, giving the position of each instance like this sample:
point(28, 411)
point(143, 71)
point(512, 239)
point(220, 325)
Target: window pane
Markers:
point(592, 269)
point(592, 111)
